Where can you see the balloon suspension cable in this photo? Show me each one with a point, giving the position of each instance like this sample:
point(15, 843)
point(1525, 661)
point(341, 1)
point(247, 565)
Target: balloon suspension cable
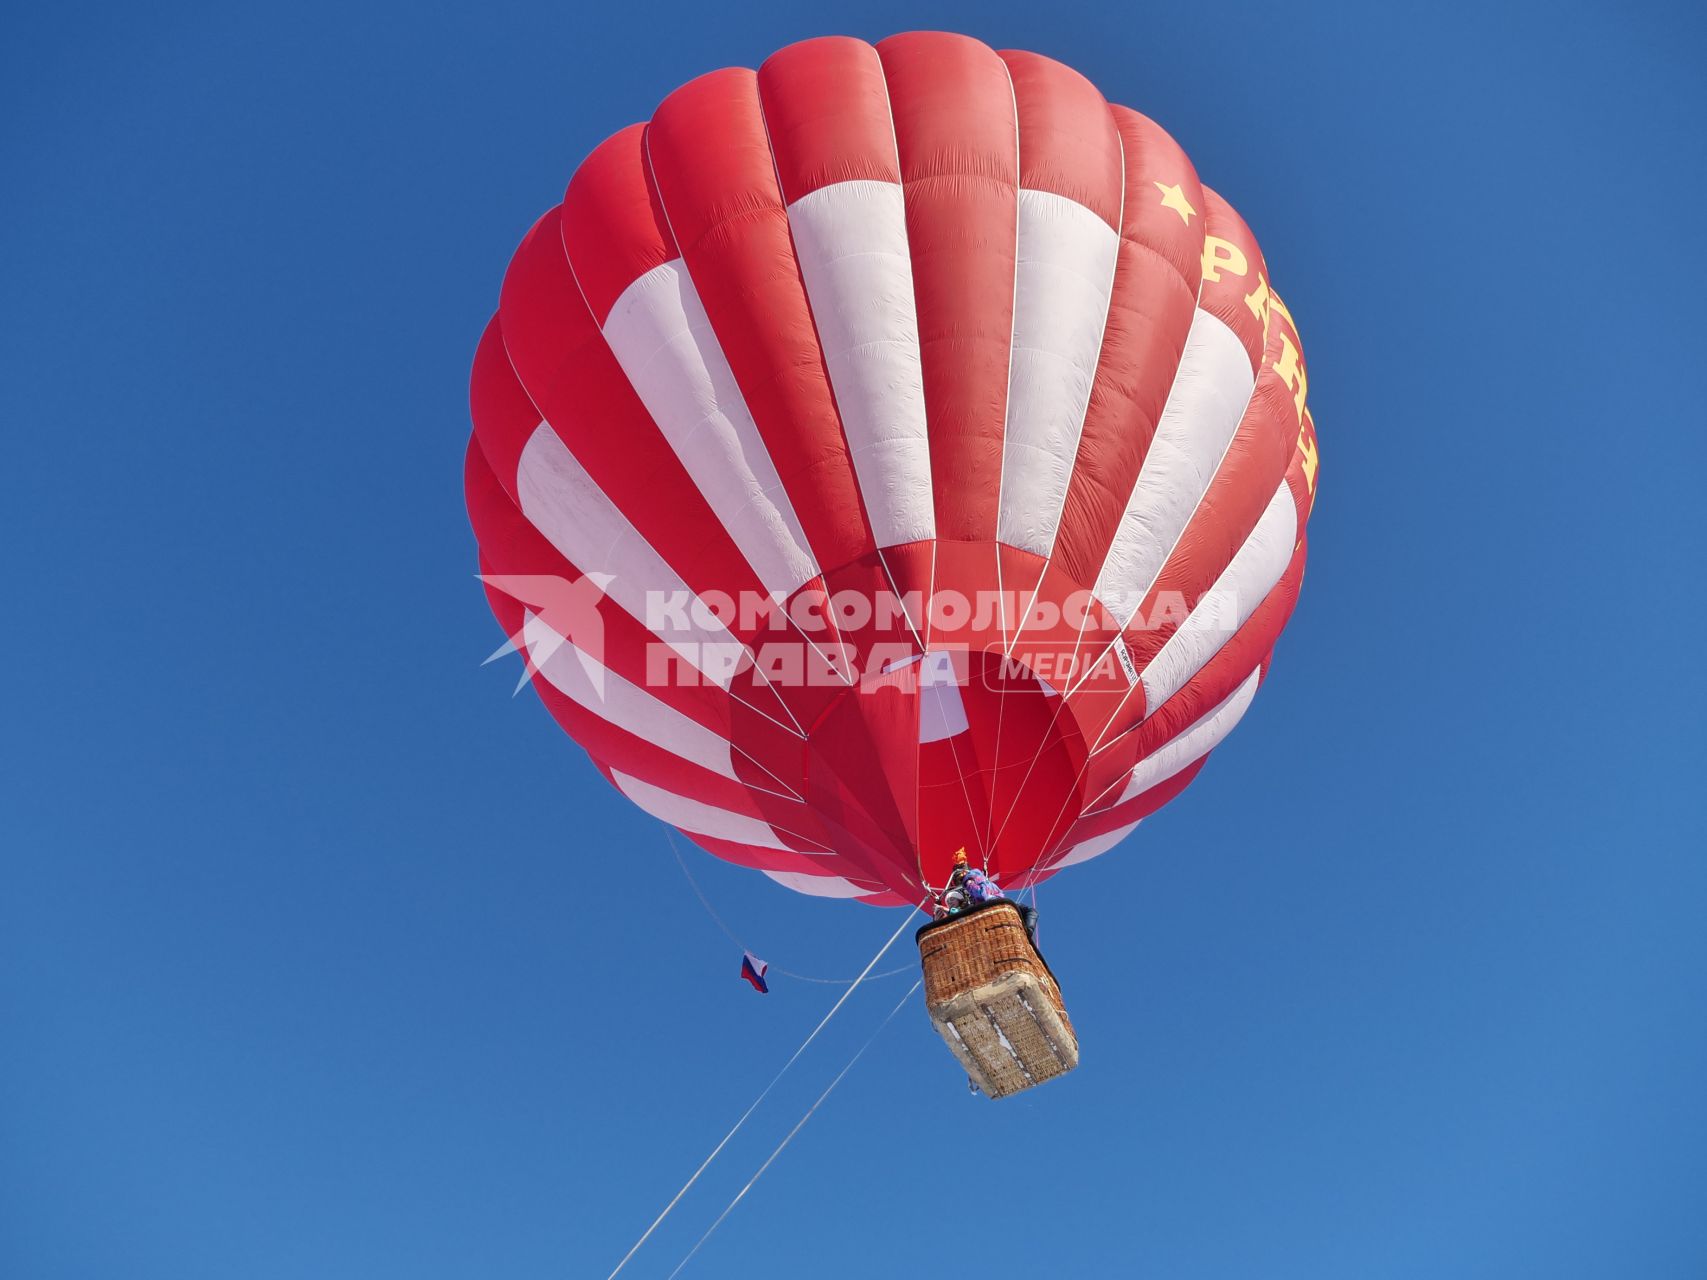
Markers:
point(764, 1093)
point(996, 763)
point(1050, 860)
point(770, 1159)
point(735, 938)
point(980, 836)
point(985, 843)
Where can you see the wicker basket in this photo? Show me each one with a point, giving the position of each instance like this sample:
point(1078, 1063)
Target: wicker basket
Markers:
point(994, 1002)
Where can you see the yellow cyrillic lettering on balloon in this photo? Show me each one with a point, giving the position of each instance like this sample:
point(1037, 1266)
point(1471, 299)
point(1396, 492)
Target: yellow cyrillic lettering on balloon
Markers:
point(1257, 301)
point(1218, 253)
point(1307, 447)
point(1290, 367)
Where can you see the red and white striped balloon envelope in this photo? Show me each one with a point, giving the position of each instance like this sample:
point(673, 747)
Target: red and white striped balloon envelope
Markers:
point(892, 450)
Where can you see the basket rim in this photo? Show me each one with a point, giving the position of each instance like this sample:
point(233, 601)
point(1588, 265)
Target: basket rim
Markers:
point(961, 916)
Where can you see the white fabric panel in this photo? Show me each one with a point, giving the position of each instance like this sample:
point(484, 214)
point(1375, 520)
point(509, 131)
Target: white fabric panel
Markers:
point(696, 817)
point(578, 675)
point(942, 713)
point(562, 501)
point(851, 242)
point(819, 886)
point(1062, 285)
point(1211, 389)
point(663, 339)
point(1185, 749)
point(1091, 848)
point(1224, 609)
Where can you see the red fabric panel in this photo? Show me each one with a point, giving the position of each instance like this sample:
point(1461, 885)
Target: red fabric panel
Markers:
point(1127, 812)
point(510, 546)
point(862, 779)
point(1068, 145)
point(575, 382)
point(612, 227)
point(1256, 462)
point(954, 124)
point(712, 169)
point(1215, 683)
point(1233, 275)
point(1150, 313)
point(827, 110)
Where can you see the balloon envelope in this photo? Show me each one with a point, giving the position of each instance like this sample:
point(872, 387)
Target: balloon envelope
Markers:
point(893, 450)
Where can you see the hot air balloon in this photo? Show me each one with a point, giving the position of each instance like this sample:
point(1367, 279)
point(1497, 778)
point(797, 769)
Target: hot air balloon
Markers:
point(890, 451)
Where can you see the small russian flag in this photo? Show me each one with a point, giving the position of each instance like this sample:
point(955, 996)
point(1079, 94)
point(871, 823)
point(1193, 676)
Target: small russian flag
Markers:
point(753, 970)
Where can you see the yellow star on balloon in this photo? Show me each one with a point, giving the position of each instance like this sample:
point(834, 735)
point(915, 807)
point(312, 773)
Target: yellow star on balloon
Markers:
point(1173, 198)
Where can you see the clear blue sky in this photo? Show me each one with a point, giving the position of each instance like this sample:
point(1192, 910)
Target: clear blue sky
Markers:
point(320, 956)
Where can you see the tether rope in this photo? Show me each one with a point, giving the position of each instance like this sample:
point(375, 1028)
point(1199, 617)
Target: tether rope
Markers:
point(906, 923)
point(797, 1128)
point(736, 938)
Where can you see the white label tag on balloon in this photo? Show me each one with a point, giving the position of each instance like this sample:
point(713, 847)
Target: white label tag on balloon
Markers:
point(1126, 663)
